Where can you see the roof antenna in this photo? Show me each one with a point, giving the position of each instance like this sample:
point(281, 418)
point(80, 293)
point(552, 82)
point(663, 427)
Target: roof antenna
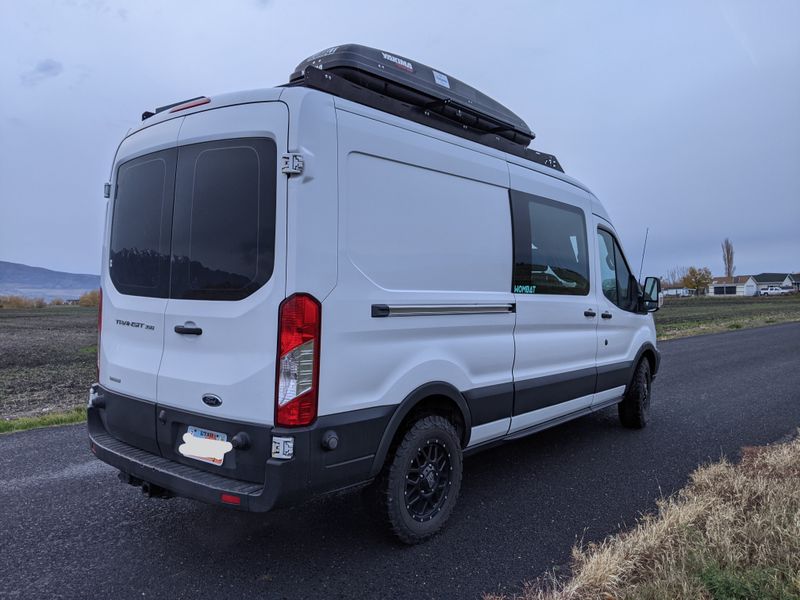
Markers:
point(641, 265)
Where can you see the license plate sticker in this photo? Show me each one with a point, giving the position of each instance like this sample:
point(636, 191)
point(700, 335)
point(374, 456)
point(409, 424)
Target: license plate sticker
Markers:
point(205, 445)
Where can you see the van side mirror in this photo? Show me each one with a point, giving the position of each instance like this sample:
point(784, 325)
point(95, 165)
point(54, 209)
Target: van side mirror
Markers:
point(651, 294)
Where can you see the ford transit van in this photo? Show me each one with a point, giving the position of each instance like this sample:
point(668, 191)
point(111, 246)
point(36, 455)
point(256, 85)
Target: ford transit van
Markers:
point(353, 279)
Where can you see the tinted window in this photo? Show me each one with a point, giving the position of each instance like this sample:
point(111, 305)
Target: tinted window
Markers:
point(224, 225)
point(616, 279)
point(608, 265)
point(549, 247)
point(140, 229)
point(625, 290)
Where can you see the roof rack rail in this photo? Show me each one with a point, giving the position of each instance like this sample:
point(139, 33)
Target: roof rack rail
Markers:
point(414, 91)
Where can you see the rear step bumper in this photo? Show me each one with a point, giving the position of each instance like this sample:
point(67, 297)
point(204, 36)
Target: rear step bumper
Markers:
point(313, 470)
point(182, 480)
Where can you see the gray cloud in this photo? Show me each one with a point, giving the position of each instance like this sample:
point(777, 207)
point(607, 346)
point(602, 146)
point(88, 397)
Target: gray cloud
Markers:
point(683, 117)
point(44, 69)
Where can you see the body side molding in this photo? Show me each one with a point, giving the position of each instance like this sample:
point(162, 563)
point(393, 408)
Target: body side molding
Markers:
point(425, 310)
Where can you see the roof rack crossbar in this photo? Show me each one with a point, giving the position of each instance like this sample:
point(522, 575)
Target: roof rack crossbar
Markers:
point(332, 83)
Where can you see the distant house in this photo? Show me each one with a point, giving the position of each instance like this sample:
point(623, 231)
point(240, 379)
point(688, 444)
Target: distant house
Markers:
point(784, 280)
point(796, 277)
point(740, 285)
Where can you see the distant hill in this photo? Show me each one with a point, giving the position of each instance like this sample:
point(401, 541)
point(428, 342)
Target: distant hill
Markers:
point(35, 282)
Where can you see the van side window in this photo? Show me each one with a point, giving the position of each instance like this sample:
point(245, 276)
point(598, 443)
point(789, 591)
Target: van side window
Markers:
point(140, 225)
point(224, 225)
point(608, 266)
point(550, 249)
point(614, 272)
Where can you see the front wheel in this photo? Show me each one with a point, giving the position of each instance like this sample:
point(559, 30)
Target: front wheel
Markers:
point(634, 409)
point(420, 485)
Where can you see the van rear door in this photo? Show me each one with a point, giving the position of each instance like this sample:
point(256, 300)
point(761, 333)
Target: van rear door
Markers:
point(228, 273)
point(136, 280)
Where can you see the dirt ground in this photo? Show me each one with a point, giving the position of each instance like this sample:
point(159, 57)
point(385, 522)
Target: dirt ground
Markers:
point(47, 359)
point(681, 317)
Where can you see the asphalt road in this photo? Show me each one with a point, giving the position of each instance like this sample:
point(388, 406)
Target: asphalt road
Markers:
point(69, 529)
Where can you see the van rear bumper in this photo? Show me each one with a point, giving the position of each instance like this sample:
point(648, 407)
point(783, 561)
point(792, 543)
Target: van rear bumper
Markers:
point(311, 471)
point(179, 479)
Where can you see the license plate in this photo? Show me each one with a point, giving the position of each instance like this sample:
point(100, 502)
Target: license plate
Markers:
point(205, 445)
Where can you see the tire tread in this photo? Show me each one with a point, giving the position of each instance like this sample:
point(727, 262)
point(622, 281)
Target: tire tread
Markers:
point(632, 412)
point(393, 473)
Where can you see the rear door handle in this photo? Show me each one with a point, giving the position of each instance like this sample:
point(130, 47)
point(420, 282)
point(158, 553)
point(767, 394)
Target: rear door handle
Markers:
point(184, 330)
point(606, 315)
point(589, 313)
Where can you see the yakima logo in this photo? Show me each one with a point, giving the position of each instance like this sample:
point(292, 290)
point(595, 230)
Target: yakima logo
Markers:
point(327, 52)
point(400, 62)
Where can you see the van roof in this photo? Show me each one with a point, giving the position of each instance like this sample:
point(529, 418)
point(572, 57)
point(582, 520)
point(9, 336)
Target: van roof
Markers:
point(285, 93)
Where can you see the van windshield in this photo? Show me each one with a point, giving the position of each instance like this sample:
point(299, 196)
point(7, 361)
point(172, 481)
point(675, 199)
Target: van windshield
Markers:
point(216, 242)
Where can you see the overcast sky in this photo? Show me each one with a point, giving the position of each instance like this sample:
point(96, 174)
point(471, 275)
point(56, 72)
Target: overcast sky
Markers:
point(683, 116)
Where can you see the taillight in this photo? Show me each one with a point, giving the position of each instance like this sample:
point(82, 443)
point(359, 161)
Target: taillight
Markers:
point(99, 328)
point(297, 374)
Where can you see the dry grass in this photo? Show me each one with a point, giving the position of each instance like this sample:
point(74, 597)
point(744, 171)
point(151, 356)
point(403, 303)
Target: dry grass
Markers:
point(91, 298)
point(732, 533)
point(21, 302)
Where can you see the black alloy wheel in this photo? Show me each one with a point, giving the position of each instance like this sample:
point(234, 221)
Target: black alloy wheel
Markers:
point(428, 481)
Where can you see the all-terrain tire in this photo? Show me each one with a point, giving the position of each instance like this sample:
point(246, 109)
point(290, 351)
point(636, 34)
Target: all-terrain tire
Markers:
point(634, 409)
point(419, 485)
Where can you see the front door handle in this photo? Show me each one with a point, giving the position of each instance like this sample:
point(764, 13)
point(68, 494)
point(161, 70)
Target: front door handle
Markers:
point(589, 313)
point(606, 315)
point(183, 329)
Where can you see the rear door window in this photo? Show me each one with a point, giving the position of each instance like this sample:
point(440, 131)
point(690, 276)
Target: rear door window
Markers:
point(223, 241)
point(197, 222)
point(140, 227)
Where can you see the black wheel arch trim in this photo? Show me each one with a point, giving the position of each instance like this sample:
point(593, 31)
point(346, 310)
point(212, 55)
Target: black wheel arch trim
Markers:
point(428, 390)
point(655, 363)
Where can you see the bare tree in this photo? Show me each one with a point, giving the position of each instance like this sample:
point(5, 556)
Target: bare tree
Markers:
point(727, 258)
point(675, 275)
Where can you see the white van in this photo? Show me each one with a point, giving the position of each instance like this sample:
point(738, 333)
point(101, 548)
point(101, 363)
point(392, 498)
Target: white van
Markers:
point(357, 277)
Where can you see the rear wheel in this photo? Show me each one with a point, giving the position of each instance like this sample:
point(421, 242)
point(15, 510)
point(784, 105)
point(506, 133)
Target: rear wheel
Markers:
point(634, 409)
point(420, 484)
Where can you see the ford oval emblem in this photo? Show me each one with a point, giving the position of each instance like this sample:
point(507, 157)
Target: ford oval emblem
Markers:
point(212, 399)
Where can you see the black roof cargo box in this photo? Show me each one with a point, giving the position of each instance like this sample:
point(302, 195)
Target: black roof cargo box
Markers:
point(417, 92)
